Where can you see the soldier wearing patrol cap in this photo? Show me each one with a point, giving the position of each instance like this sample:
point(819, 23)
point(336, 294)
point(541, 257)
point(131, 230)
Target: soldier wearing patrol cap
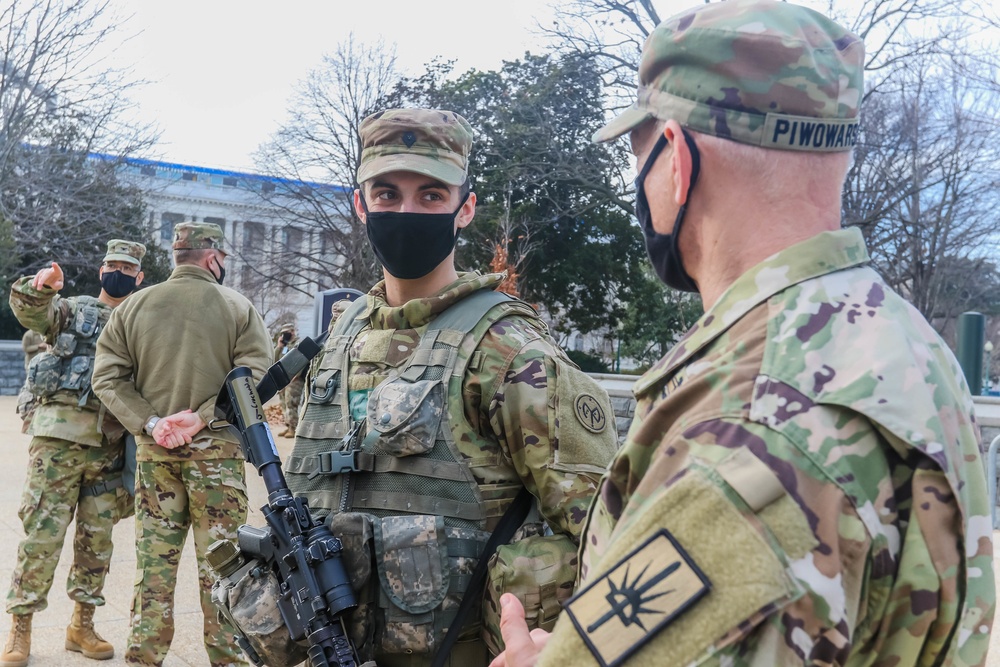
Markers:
point(75, 455)
point(449, 398)
point(160, 364)
point(291, 395)
point(802, 483)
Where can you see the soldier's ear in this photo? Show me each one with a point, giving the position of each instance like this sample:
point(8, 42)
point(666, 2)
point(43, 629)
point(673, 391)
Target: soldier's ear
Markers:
point(138, 278)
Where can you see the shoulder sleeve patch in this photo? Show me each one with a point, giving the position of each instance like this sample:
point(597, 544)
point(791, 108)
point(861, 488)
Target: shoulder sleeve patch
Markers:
point(590, 413)
point(643, 593)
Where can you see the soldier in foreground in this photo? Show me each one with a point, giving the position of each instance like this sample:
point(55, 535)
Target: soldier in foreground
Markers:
point(291, 395)
point(446, 398)
point(802, 484)
point(75, 450)
point(160, 363)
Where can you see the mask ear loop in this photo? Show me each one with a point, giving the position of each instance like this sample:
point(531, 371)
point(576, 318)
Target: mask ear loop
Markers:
point(682, 211)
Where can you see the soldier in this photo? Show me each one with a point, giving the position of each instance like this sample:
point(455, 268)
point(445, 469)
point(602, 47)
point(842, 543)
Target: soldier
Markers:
point(291, 395)
point(447, 398)
point(160, 364)
point(75, 452)
point(802, 483)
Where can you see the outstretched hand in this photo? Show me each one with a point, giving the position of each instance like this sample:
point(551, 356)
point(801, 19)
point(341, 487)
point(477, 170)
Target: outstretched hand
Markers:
point(522, 646)
point(177, 429)
point(51, 277)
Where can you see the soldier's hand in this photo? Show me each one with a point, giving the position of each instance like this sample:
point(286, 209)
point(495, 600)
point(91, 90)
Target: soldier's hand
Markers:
point(51, 277)
point(167, 436)
point(522, 647)
point(180, 428)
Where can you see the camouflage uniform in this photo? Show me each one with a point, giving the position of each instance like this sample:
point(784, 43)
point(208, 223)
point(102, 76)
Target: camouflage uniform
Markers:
point(454, 423)
point(291, 395)
point(31, 343)
point(146, 359)
point(802, 483)
point(76, 444)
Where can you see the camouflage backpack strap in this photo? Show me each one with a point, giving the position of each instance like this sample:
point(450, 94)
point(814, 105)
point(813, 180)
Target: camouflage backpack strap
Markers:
point(326, 420)
point(348, 323)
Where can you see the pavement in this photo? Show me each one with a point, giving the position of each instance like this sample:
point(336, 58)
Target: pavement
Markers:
point(111, 620)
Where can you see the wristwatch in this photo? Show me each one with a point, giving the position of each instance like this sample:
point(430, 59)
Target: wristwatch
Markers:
point(150, 425)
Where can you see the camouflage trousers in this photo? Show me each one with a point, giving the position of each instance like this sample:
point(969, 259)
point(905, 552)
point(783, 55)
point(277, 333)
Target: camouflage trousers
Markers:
point(57, 470)
point(291, 400)
point(171, 496)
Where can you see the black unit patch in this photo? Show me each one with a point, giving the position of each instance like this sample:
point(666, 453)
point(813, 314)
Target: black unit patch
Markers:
point(638, 597)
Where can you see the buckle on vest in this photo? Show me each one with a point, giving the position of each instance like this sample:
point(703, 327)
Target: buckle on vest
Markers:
point(335, 463)
point(322, 388)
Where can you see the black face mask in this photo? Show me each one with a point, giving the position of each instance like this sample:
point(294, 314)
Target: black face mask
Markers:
point(411, 245)
point(117, 284)
point(664, 249)
point(222, 272)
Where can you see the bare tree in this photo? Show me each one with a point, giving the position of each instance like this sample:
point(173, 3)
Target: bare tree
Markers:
point(50, 69)
point(315, 156)
point(63, 131)
point(923, 186)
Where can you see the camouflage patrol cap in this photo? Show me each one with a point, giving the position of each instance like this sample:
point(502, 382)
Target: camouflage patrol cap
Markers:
point(432, 142)
point(125, 251)
point(288, 327)
point(198, 236)
point(759, 72)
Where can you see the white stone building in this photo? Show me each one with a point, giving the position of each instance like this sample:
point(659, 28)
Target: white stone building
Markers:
point(253, 228)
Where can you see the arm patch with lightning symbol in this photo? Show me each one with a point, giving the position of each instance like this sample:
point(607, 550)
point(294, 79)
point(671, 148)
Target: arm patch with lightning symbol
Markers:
point(644, 592)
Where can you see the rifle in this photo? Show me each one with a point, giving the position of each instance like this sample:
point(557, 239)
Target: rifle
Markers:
point(313, 590)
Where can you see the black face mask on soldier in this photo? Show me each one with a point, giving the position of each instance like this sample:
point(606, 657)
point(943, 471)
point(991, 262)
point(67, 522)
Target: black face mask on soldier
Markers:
point(222, 272)
point(117, 284)
point(664, 249)
point(411, 245)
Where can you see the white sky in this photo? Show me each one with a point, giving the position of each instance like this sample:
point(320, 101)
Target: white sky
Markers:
point(221, 71)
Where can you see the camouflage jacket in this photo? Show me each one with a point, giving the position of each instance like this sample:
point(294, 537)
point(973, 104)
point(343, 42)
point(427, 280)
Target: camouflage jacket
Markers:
point(168, 348)
point(508, 396)
point(31, 343)
point(802, 484)
point(60, 415)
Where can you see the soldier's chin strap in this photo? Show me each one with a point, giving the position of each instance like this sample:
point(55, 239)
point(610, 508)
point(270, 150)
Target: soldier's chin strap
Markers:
point(277, 378)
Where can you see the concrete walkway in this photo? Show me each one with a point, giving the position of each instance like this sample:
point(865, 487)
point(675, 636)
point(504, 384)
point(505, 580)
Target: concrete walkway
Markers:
point(49, 626)
point(111, 620)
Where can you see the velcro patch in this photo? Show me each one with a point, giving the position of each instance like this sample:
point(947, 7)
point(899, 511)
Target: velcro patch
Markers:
point(589, 413)
point(649, 588)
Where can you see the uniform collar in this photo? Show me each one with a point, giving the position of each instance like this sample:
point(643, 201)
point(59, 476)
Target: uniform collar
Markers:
point(192, 271)
point(822, 254)
point(418, 312)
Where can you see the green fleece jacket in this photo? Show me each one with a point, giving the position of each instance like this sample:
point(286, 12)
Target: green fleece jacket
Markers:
point(168, 348)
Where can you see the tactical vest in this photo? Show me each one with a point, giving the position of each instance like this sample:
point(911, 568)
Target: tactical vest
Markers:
point(396, 484)
point(68, 364)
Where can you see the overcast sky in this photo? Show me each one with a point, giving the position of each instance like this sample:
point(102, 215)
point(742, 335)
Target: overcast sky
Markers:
point(221, 71)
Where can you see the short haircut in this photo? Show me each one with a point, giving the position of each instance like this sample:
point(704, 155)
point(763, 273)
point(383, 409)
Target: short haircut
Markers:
point(191, 255)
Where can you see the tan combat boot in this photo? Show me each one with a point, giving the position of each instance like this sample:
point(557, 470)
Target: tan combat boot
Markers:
point(82, 638)
point(15, 654)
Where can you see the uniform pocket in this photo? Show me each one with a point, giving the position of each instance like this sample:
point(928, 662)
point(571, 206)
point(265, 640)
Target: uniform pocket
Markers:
point(406, 415)
point(412, 561)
